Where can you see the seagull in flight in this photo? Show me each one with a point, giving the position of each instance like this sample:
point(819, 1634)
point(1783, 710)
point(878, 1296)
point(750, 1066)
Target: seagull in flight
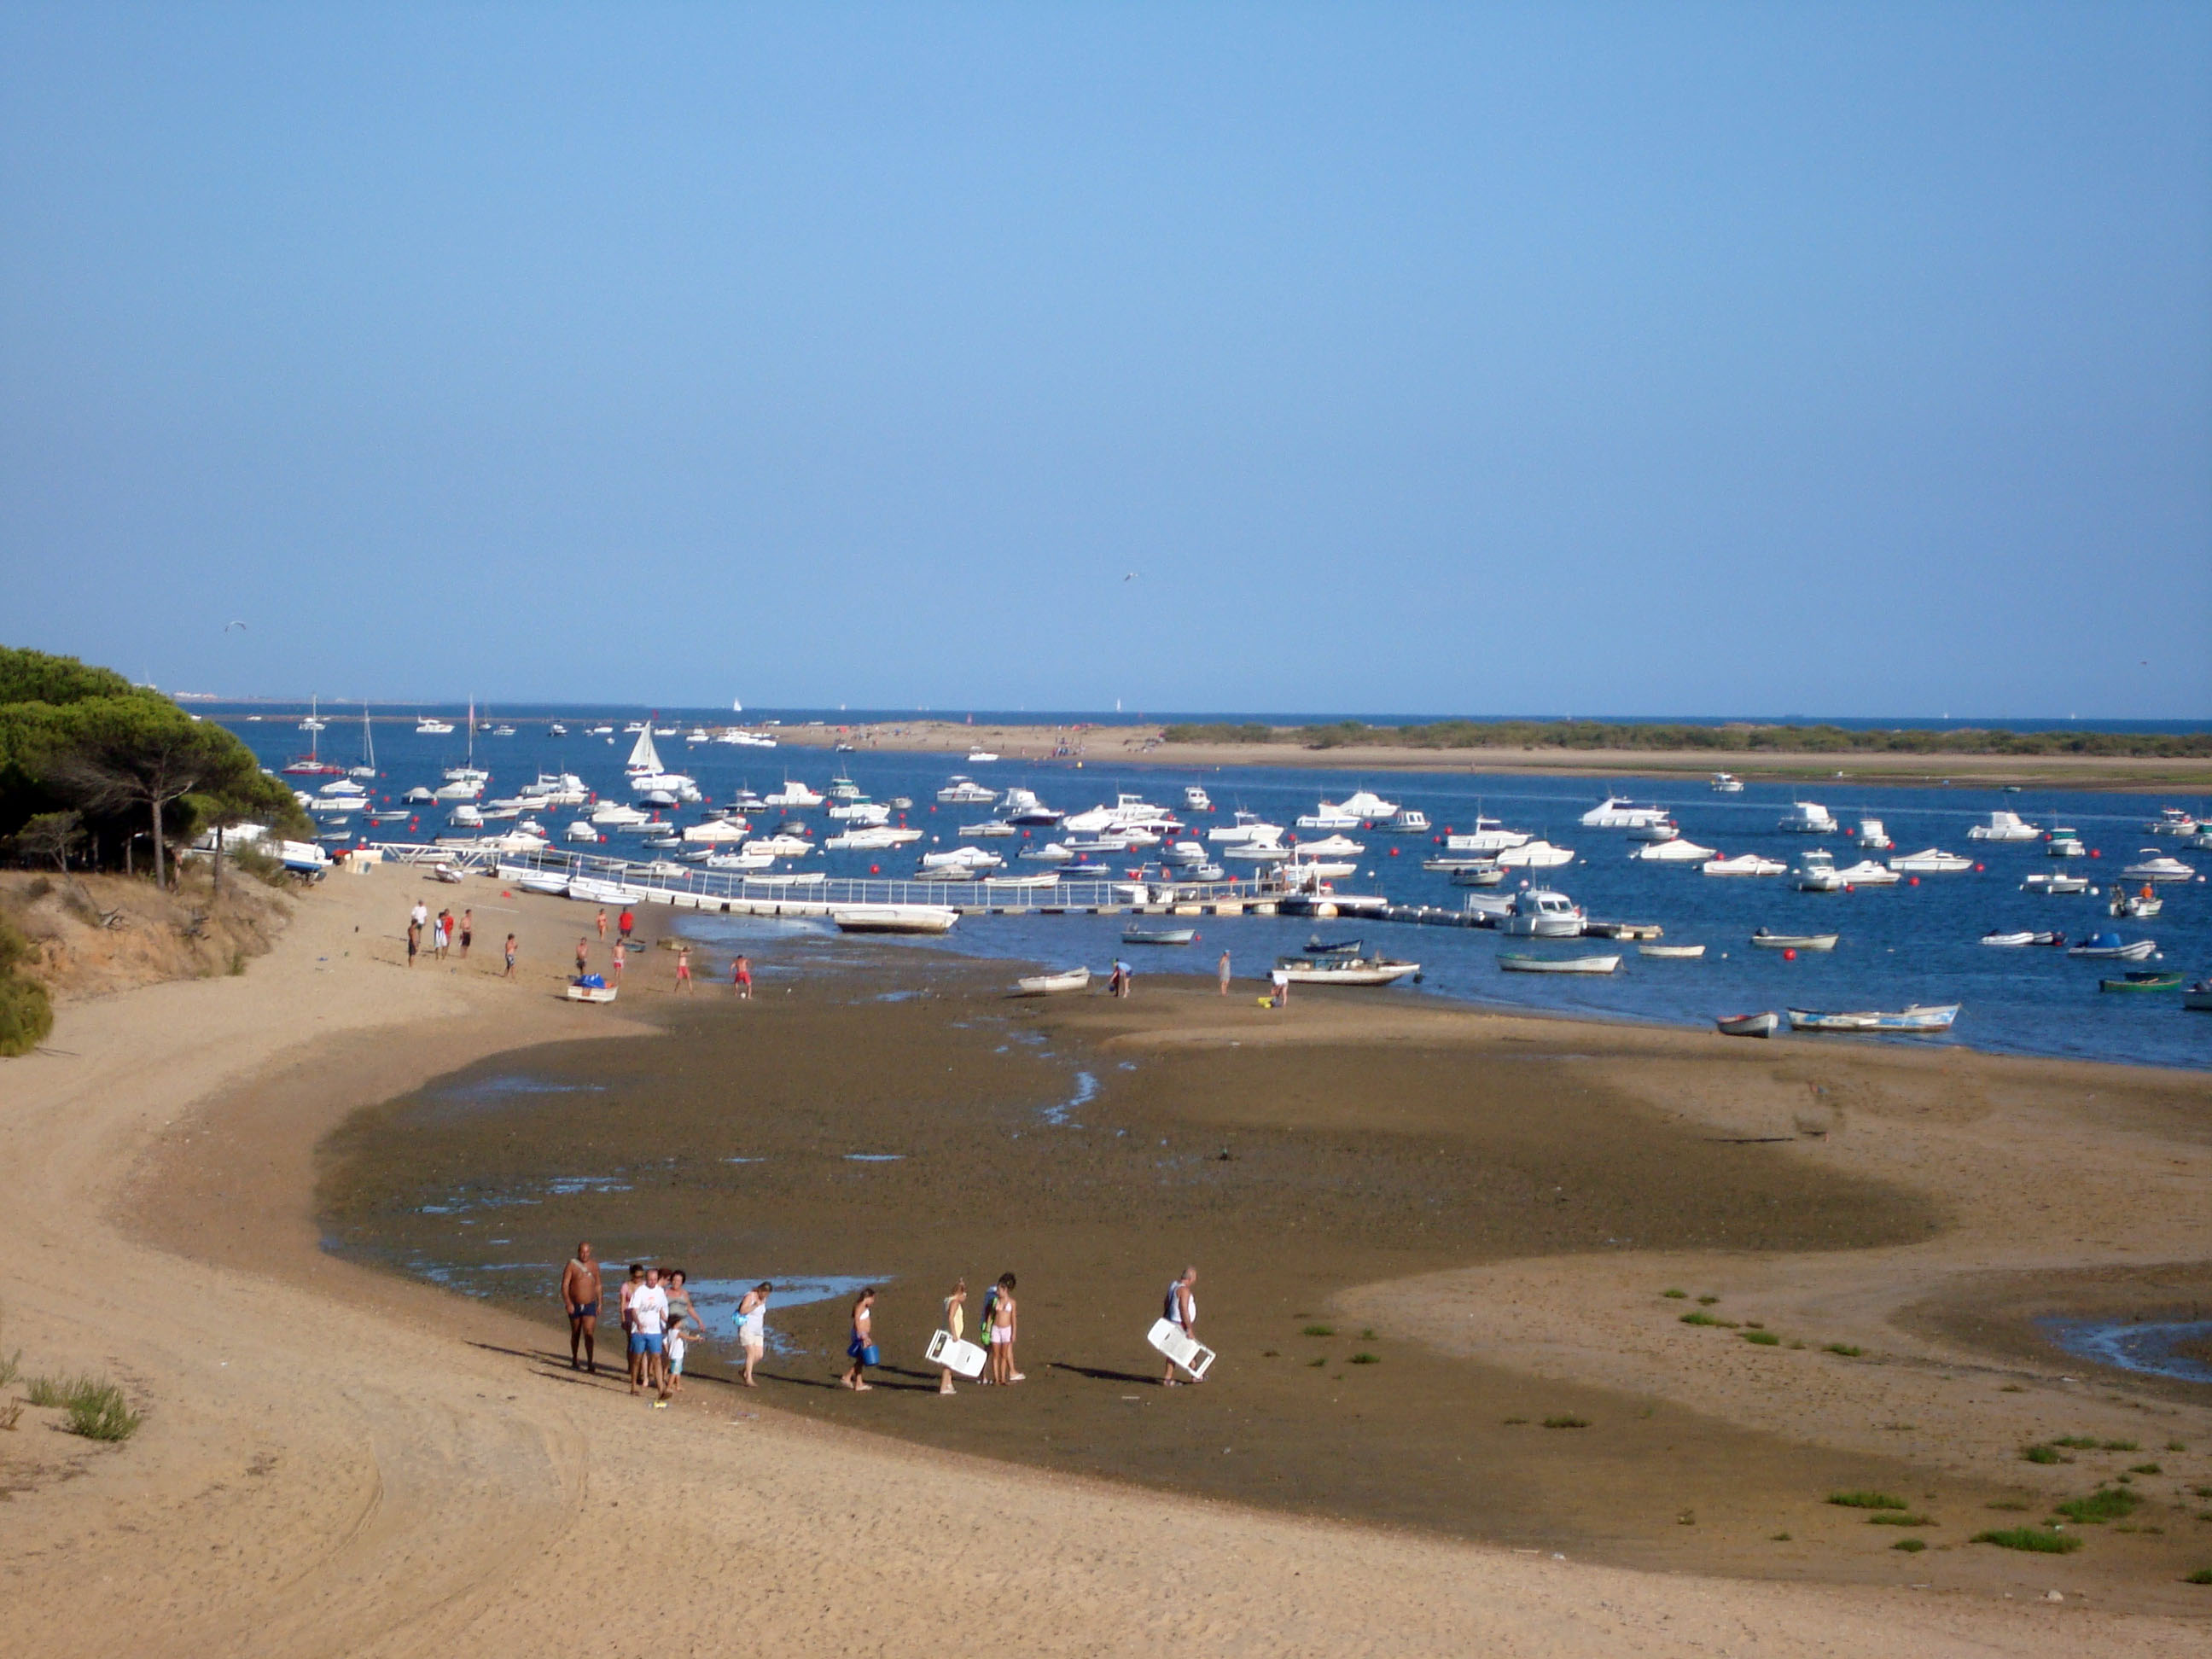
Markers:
point(227, 626)
point(1131, 577)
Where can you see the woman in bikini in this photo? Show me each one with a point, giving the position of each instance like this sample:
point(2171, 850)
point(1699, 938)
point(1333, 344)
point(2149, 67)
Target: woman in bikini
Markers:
point(1003, 1329)
point(862, 1347)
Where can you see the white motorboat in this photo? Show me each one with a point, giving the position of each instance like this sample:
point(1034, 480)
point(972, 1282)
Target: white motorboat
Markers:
point(989, 829)
point(2142, 907)
point(1134, 934)
point(433, 728)
point(2064, 843)
point(1536, 855)
point(556, 789)
point(1331, 846)
point(1195, 799)
point(1328, 816)
point(1021, 808)
point(1658, 830)
point(2173, 821)
point(740, 862)
point(1672, 952)
point(1042, 985)
point(717, 830)
point(872, 838)
point(971, 858)
point(1867, 873)
point(2151, 864)
point(1816, 873)
point(460, 789)
point(1127, 812)
point(1184, 854)
point(1257, 852)
point(793, 794)
point(780, 846)
point(1356, 811)
point(1743, 864)
point(1514, 962)
point(581, 831)
point(418, 796)
point(1873, 836)
point(1488, 836)
point(2004, 826)
point(1541, 912)
point(698, 734)
point(1051, 852)
point(860, 812)
point(466, 816)
point(1931, 861)
point(1492, 907)
point(2013, 941)
point(1482, 873)
point(614, 815)
point(1677, 851)
point(842, 788)
point(1727, 783)
point(1618, 812)
point(1345, 970)
point(1244, 827)
point(2109, 947)
point(659, 799)
point(894, 918)
point(1808, 818)
point(1768, 941)
point(1304, 871)
point(2055, 883)
point(1751, 1025)
point(964, 790)
point(1407, 821)
point(981, 757)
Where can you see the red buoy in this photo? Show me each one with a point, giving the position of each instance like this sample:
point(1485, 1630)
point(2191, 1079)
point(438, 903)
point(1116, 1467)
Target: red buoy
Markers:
point(1979, 868)
point(1790, 955)
point(1913, 881)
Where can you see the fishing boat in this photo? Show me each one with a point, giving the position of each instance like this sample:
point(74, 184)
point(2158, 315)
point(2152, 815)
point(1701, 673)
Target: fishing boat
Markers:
point(1407, 821)
point(2014, 940)
point(1873, 836)
point(1743, 864)
point(1376, 969)
point(1485, 874)
point(2004, 826)
point(894, 918)
point(2172, 821)
point(1918, 1018)
point(1931, 861)
point(1541, 912)
point(1513, 962)
point(1244, 827)
point(2107, 947)
point(2145, 978)
point(1727, 783)
point(1769, 941)
point(2055, 883)
point(794, 795)
point(964, 790)
point(1158, 935)
point(1677, 851)
point(2142, 905)
point(2151, 864)
point(1672, 952)
point(1536, 855)
point(1044, 985)
point(1618, 812)
point(1816, 873)
point(1659, 829)
point(1195, 799)
point(1808, 818)
point(1752, 1025)
point(2064, 843)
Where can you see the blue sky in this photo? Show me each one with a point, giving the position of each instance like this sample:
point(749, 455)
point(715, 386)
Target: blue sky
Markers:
point(1453, 359)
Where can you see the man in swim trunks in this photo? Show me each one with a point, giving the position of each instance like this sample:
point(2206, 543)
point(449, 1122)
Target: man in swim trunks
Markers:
point(648, 1323)
point(580, 1295)
point(741, 977)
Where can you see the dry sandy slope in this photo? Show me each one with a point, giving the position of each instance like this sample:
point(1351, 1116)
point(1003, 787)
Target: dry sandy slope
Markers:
point(367, 1469)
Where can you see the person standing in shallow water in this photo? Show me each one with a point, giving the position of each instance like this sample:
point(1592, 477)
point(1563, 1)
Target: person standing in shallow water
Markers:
point(862, 1348)
point(580, 1295)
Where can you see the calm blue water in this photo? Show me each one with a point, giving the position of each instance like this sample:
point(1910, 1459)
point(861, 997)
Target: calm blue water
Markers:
point(1899, 945)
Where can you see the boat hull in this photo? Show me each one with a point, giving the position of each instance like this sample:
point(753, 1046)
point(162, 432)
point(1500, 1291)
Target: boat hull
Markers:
point(1512, 962)
point(1748, 1025)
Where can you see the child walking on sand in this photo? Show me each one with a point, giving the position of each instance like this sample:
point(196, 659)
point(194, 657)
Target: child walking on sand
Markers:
point(684, 968)
point(509, 973)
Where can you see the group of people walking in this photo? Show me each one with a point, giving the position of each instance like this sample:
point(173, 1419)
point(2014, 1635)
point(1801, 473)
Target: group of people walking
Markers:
point(444, 932)
point(659, 1322)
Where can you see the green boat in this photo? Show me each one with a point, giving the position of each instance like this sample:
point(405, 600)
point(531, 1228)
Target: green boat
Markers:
point(2148, 979)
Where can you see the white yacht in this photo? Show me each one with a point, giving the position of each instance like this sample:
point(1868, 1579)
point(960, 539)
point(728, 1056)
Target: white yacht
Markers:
point(466, 816)
point(581, 831)
point(1727, 783)
point(1021, 808)
point(1657, 830)
point(981, 757)
point(1332, 847)
point(861, 813)
point(964, 791)
point(427, 727)
point(1244, 827)
point(1489, 837)
point(717, 830)
point(557, 789)
point(614, 815)
point(1195, 799)
point(1677, 851)
point(1534, 856)
point(1867, 873)
point(1931, 861)
point(2152, 866)
point(2004, 826)
point(871, 837)
point(793, 794)
point(1808, 818)
point(1744, 864)
point(2172, 821)
point(1618, 812)
point(459, 789)
point(1541, 912)
point(1127, 812)
point(1816, 872)
point(1873, 836)
point(780, 846)
point(962, 858)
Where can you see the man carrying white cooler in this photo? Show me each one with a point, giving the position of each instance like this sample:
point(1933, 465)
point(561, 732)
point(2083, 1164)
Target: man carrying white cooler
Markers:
point(1181, 1311)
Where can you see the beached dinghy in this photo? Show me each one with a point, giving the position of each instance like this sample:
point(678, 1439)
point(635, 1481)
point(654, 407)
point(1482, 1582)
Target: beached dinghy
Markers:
point(1758, 1025)
point(1345, 970)
point(895, 918)
point(1766, 941)
point(1513, 962)
point(1917, 1018)
point(1042, 985)
point(590, 987)
point(2107, 947)
point(1158, 935)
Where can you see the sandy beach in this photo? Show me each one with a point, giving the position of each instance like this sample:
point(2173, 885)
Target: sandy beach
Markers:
point(338, 1459)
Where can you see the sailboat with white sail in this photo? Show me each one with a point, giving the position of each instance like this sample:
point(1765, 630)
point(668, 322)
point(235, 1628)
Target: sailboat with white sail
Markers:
point(647, 773)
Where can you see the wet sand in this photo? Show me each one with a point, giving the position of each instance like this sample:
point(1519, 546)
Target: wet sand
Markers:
point(1094, 1147)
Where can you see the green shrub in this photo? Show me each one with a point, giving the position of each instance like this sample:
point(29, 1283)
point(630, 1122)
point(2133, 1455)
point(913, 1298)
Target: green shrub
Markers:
point(1676, 1295)
point(1565, 1422)
point(2030, 1538)
point(2077, 1442)
point(1318, 1330)
point(2122, 1445)
point(26, 1016)
point(2041, 1455)
point(100, 1413)
point(2145, 1469)
point(2202, 1576)
point(11, 1368)
point(1867, 1500)
point(1365, 1359)
point(1891, 1518)
point(1910, 1546)
point(1701, 1317)
point(2105, 1504)
point(1765, 1338)
point(1849, 1350)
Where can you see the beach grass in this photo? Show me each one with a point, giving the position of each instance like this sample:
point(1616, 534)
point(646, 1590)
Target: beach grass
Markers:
point(1707, 1301)
point(2030, 1538)
point(1892, 1519)
point(1677, 1295)
point(2121, 1445)
point(2145, 1469)
point(1764, 1339)
point(1365, 1359)
point(1849, 1350)
point(1701, 1317)
point(2202, 1576)
point(1565, 1421)
point(2077, 1442)
point(2041, 1455)
point(11, 1368)
point(1867, 1500)
point(1910, 1546)
point(97, 1409)
point(2013, 1504)
point(2105, 1504)
point(1318, 1330)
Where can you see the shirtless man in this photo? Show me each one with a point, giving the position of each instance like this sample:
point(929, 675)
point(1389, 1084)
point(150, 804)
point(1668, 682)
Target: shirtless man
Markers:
point(1181, 1311)
point(580, 1295)
point(583, 958)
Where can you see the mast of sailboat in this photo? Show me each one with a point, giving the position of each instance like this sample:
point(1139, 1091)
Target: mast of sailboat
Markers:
point(368, 741)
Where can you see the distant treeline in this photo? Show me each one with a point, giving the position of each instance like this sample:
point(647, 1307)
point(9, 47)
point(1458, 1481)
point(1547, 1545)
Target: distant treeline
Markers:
point(1779, 739)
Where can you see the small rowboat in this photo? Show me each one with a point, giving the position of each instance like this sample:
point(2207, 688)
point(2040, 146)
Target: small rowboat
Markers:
point(1672, 952)
point(2147, 979)
point(1158, 935)
point(1040, 985)
point(2106, 947)
point(1758, 1025)
point(2056, 884)
point(2023, 939)
point(591, 988)
point(894, 918)
point(1766, 941)
point(1917, 1018)
point(1514, 962)
point(1345, 970)
point(2198, 997)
